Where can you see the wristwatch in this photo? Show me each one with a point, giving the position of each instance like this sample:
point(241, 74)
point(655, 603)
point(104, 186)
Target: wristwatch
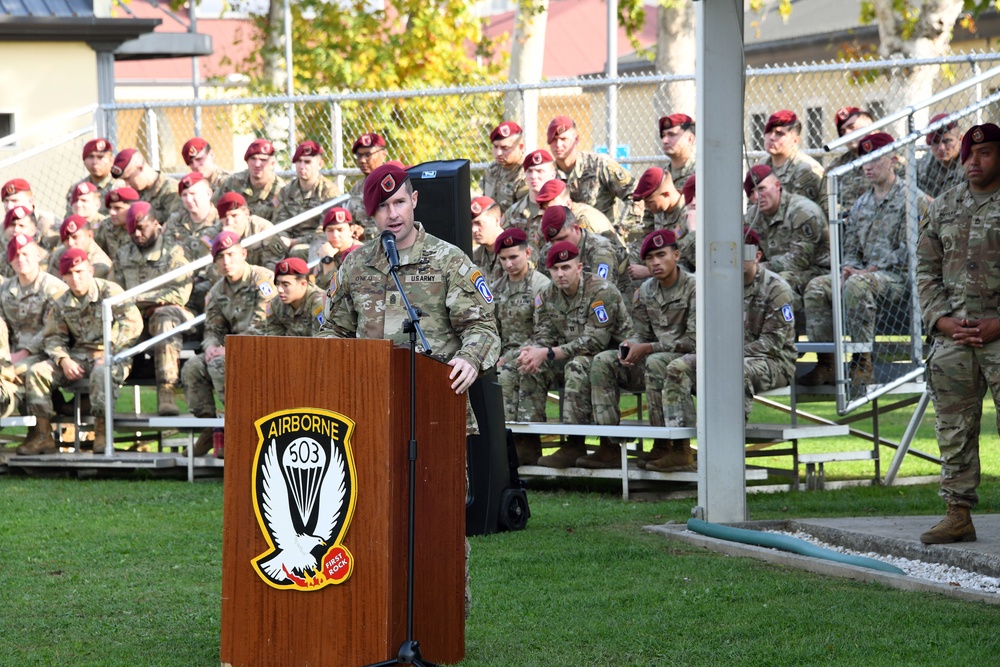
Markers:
point(551, 354)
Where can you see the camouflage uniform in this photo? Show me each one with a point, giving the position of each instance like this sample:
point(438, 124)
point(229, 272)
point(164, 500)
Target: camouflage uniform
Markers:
point(230, 309)
point(957, 255)
point(292, 201)
point(591, 219)
point(194, 238)
point(800, 175)
point(675, 219)
point(8, 385)
point(606, 260)
point(26, 310)
point(284, 320)
point(356, 207)
point(504, 186)
point(163, 197)
point(263, 202)
point(680, 175)
point(591, 321)
point(687, 245)
point(663, 317)
point(849, 185)
point(163, 308)
point(795, 241)
point(599, 181)
point(267, 253)
point(76, 331)
point(217, 180)
point(515, 315)
point(487, 260)
point(526, 215)
point(768, 350)
point(104, 186)
point(875, 235)
point(935, 177)
point(110, 236)
point(7, 271)
point(103, 266)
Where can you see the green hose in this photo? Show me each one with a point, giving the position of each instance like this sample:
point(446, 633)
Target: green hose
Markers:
point(785, 543)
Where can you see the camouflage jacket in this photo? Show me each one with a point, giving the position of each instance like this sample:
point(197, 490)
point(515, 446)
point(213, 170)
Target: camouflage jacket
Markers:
point(459, 312)
point(104, 186)
point(935, 178)
point(267, 253)
point(593, 220)
point(488, 261)
point(27, 309)
point(600, 181)
point(875, 233)
point(800, 175)
point(681, 175)
point(286, 320)
point(526, 215)
point(665, 317)
point(356, 206)
point(849, 185)
point(675, 219)
point(194, 238)
point(163, 197)
point(794, 238)
point(103, 266)
point(75, 329)
point(516, 310)
point(217, 180)
point(591, 321)
point(687, 245)
point(7, 271)
point(292, 201)
point(263, 202)
point(768, 321)
point(7, 374)
point(504, 186)
point(110, 236)
point(239, 307)
point(136, 266)
point(957, 255)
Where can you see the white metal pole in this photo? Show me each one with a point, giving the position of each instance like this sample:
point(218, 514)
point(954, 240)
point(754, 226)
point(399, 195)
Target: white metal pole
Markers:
point(612, 69)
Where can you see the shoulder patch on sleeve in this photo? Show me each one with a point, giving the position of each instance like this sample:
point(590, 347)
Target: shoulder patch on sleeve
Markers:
point(479, 281)
point(635, 295)
point(788, 313)
point(599, 311)
point(538, 300)
point(265, 288)
point(602, 270)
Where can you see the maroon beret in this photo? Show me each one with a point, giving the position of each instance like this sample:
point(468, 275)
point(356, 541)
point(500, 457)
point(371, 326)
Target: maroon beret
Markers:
point(97, 146)
point(509, 238)
point(82, 188)
point(661, 238)
point(648, 183)
point(396, 163)
point(224, 241)
point(780, 119)
point(191, 148)
point(71, 225)
point(873, 142)
point(561, 252)
point(228, 202)
point(14, 186)
point(121, 195)
point(135, 213)
point(550, 190)
point(121, 161)
point(757, 173)
point(481, 204)
point(189, 180)
point(750, 237)
point(978, 134)
point(367, 140)
point(559, 125)
point(535, 158)
point(843, 115)
point(381, 184)
point(306, 149)
point(689, 190)
point(936, 136)
point(335, 216)
point(292, 266)
point(16, 213)
point(553, 220)
point(71, 258)
point(259, 147)
point(19, 241)
point(681, 120)
point(508, 128)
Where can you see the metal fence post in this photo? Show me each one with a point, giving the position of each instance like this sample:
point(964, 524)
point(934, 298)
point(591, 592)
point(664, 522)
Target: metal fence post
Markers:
point(912, 226)
point(152, 139)
point(337, 140)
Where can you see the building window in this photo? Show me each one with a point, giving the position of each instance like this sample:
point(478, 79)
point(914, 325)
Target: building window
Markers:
point(814, 127)
point(6, 124)
point(757, 123)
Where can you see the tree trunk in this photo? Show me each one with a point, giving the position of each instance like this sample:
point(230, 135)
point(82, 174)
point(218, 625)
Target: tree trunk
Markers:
point(274, 42)
point(526, 56)
point(675, 49)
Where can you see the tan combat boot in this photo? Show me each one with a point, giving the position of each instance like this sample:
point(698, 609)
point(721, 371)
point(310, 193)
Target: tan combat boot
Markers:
point(862, 370)
point(166, 404)
point(100, 436)
point(823, 373)
point(956, 526)
point(529, 448)
point(203, 445)
point(679, 459)
point(565, 456)
point(661, 447)
point(41, 442)
point(607, 455)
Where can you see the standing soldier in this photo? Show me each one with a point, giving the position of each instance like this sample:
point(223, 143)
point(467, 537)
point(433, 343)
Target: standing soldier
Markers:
point(597, 254)
point(258, 183)
point(307, 190)
point(148, 256)
point(678, 139)
point(503, 180)
point(85, 201)
point(299, 307)
point(153, 187)
point(851, 184)
point(799, 174)
point(111, 234)
point(98, 158)
point(959, 290)
point(663, 209)
point(75, 232)
point(236, 304)
point(939, 169)
point(369, 154)
point(486, 227)
point(198, 156)
point(554, 193)
point(526, 214)
point(337, 227)
point(74, 344)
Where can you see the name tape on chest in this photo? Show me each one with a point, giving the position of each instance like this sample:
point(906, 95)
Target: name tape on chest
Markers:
point(421, 278)
point(479, 281)
point(599, 311)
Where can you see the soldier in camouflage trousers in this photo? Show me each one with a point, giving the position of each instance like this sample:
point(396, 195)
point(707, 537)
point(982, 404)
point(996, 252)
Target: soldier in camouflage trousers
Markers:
point(8, 383)
point(959, 289)
point(503, 181)
point(799, 174)
point(940, 169)
point(578, 316)
point(258, 184)
point(308, 189)
point(298, 310)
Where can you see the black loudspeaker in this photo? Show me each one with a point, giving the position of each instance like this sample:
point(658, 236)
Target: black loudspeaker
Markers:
point(496, 499)
point(443, 201)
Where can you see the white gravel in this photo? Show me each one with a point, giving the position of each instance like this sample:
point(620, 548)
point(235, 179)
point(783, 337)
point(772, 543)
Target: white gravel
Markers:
point(936, 572)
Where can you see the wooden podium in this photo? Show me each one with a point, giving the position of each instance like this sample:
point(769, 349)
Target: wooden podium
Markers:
point(358, 391)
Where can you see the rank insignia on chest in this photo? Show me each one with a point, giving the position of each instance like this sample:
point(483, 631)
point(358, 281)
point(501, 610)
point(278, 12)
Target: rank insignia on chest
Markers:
point(265, 288)
point(602, 270)
point(479, 281)
point(599, 311)
point(787, 312)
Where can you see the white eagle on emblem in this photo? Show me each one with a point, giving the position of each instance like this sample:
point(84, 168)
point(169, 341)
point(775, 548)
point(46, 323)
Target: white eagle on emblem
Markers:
point(293, 551)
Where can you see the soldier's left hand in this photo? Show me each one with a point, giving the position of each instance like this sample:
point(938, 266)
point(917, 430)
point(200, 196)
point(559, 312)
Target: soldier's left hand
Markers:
point(638, 271)
point(986, 331)
point(463, 373)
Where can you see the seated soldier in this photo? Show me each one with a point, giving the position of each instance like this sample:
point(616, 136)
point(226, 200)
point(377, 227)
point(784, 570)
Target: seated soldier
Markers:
point(86, 202)
point(768, 352)
point(191, 228)
point(299, 308)
point(875, 264)
point(486, 227)
point(257, 184)
point(576, 317)
point(597, 254)
point(503, 180)
point(338, 228)
point(663, 208)
point(526, 214)
point(98, 158)
point(554, 193)
point(17, 193)
point(8, 384)
point(851, 184)
point(236, 304)
point(111, 234)
point(75, 232)
point(153, 187)
point(74, 345)
point(149, 256)
point(369, 154)
point(198, 156)
point(515, 293)
point(663, 312)
point(939, 169)
point(794, 232)
point(686, 243)
point(677, 137)
point(235, 216)
point(307, 190)
point(799, 174)
point(19, 221)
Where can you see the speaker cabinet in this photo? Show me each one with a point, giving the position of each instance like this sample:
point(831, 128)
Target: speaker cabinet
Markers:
point(444, 199)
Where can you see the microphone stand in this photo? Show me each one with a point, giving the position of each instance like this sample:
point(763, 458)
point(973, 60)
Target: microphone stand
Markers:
point(409, 650)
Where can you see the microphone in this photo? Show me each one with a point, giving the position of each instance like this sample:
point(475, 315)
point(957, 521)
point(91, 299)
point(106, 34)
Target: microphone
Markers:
point(389, 246)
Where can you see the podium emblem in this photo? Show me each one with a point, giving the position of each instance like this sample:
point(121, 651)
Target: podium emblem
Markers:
point(304, 493)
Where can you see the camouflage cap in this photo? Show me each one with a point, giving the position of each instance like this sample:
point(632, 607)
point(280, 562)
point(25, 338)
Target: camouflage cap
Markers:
point(508, 128)
point(82, 188)
point(509, 238)
point(661, 238)
point(561, 252)
point(550, 190)
point(978, 134)
point(97, 146)
point(72, 257)
point(381, 184)
point(336, 215)
point(71, 225)
point(191, 148)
